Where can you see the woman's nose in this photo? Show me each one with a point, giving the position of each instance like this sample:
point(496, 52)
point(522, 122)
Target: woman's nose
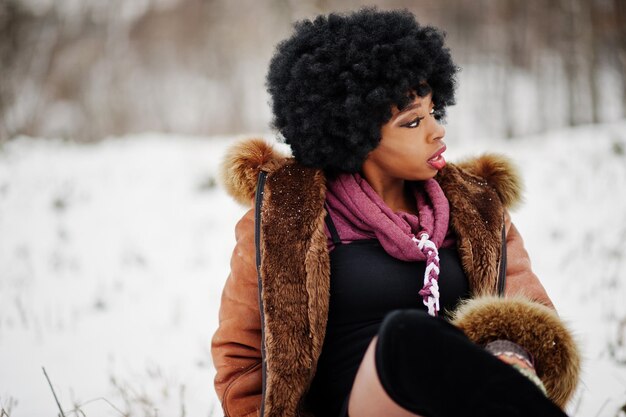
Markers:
point(438, 131)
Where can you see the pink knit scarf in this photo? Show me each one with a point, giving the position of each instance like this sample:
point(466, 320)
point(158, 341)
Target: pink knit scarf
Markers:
point(360, 213)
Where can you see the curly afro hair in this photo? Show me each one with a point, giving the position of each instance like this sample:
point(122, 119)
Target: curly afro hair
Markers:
point(334, 81)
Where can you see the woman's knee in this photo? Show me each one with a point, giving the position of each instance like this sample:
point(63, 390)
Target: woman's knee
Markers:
point(408, 342)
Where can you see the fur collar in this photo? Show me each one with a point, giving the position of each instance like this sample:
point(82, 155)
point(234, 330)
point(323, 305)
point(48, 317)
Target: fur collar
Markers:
point(245, 159)
point(243, 162)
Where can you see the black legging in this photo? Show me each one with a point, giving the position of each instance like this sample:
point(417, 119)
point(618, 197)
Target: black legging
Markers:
point(429, 367)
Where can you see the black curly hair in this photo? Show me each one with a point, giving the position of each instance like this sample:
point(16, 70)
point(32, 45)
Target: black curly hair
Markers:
point(334, 81)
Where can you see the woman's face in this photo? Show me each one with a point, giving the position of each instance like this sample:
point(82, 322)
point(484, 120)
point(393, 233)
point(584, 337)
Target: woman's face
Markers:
point(411, 144)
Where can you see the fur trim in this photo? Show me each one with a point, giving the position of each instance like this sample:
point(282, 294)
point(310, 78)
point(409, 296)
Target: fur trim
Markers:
point(241, 166)
point(295, 274)
point(533, 326)
point(476, 216)
point(501, 173)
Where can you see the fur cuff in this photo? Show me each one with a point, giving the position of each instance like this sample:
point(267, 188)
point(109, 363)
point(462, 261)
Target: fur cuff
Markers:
point(533, 326)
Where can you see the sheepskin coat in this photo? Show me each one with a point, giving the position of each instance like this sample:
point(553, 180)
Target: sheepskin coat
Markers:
point(272, 320)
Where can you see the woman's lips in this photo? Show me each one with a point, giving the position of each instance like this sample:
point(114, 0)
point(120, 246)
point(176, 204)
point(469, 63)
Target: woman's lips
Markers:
point(437, 161)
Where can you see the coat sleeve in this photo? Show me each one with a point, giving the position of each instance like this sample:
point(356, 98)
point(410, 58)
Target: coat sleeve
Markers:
point(525, 316)
point(236, 345)
point(520, 279)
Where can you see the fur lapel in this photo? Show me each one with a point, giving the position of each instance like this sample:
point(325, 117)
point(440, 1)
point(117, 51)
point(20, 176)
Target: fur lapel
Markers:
point(478, 190)
point(295, 265)
point(295, 271)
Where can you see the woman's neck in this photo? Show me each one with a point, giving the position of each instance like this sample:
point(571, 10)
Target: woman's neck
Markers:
point(395, 192)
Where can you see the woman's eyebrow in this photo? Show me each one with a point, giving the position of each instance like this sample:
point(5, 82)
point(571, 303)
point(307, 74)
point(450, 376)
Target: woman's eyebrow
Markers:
point(406, 110)
point(409, 108)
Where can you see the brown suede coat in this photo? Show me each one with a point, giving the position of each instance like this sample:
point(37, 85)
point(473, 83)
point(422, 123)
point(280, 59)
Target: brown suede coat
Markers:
point(282, 317)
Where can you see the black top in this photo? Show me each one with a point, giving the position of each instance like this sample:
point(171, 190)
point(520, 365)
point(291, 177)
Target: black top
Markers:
point(366, 283)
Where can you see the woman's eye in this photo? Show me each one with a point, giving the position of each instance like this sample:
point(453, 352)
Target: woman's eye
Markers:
point(413, 123)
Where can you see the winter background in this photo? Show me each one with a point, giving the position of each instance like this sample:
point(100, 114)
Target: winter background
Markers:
point(115, 236)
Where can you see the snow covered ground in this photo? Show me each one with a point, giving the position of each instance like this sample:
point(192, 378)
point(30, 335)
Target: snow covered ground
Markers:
point(113, 256)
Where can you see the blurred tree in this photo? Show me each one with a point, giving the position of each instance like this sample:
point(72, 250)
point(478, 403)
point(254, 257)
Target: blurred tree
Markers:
point(86, 70)
point(619, 45)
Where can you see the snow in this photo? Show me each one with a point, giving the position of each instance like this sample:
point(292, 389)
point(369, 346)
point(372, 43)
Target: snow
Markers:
point(113, 256)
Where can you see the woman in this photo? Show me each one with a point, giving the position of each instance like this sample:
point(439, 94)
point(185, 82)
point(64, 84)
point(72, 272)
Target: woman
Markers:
point(350, 300)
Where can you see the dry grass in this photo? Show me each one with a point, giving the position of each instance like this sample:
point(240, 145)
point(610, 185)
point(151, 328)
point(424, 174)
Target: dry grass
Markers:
point(136, 401)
